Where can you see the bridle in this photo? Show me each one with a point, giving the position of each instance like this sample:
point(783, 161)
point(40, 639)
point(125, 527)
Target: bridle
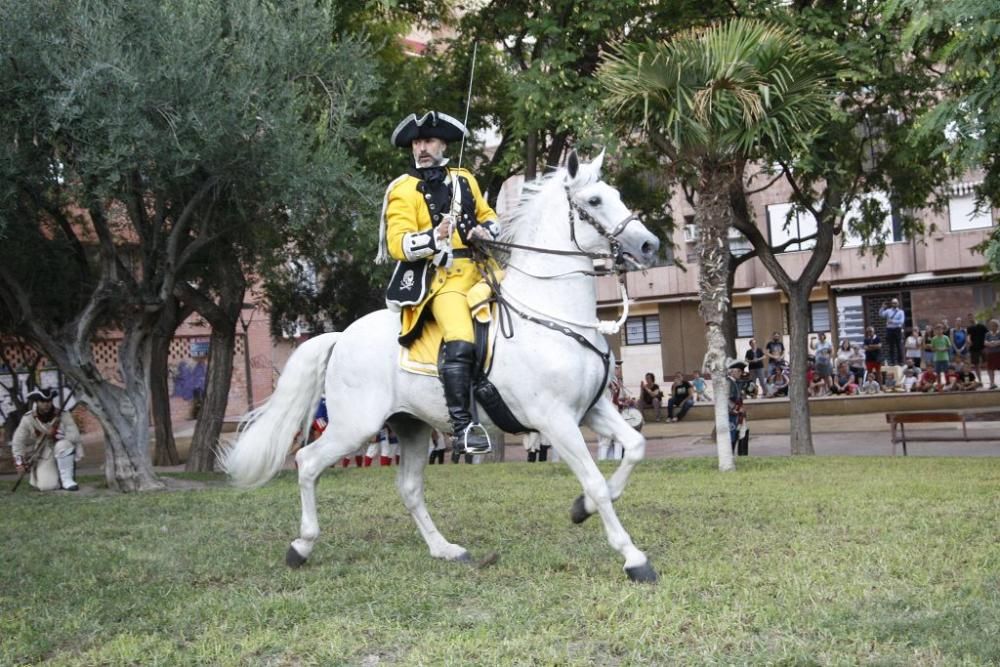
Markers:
point(505, 305)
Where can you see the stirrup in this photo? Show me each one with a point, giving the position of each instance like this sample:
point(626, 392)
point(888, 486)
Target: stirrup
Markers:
point(478, 443)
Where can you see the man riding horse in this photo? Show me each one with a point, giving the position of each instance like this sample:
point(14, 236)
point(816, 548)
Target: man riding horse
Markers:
point(431, 216)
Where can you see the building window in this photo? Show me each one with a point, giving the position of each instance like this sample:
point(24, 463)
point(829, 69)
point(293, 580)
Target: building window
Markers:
point(962, 214)
point(819, 317)
point(642, 330)
point(785, 223)
point(875, 203)
point(744, 322)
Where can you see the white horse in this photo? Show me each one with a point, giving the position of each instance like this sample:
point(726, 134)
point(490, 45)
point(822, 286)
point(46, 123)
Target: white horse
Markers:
point(552, 372)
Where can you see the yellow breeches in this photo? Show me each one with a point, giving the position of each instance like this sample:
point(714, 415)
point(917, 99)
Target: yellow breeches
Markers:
point(451, 311)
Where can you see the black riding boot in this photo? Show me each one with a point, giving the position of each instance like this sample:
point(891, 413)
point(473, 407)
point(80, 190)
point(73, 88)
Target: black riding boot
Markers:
point(455, 371)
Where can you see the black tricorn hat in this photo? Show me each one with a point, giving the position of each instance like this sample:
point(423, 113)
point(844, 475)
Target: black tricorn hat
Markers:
point(41, 394)
point(432, 125)
point(738, 364)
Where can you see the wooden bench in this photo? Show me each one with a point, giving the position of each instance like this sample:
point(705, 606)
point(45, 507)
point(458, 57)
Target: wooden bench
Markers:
point(898, 420)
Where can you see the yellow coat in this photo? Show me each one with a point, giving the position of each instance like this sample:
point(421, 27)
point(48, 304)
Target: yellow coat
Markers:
point(407, 212)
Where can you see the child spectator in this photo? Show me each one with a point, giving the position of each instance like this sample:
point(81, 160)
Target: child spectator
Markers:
point(910, 375)
point(927, 381)
point(700, 387)
point(967, 380)
point(959, 336)
point(871, 385)
point(950, 382)
point(914, 347)
point(873, 353)
point(941, 349)
point(818, 386)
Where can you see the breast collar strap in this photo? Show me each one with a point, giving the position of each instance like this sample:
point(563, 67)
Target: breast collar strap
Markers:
point(506, 325)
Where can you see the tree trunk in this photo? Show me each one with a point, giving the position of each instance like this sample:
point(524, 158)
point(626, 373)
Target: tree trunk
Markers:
point(712, 217)
point(165, 448)
point(530, 156)
point(218, 379)
point(798, 386)
point(123, 411)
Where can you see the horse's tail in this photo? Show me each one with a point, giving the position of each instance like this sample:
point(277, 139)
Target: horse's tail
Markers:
point(268, 432)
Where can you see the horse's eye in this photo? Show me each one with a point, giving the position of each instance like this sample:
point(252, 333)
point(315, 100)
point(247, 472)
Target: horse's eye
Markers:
point(594, 201)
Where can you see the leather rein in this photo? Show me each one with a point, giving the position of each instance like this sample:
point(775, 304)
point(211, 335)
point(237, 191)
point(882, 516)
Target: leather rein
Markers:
point(505, 306)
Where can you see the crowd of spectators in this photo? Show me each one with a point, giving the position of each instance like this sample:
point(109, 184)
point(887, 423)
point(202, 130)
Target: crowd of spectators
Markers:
point(959, 356)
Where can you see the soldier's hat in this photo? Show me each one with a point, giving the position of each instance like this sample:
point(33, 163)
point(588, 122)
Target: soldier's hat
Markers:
point(42, 394)
point(737, 365)
point(432, 125)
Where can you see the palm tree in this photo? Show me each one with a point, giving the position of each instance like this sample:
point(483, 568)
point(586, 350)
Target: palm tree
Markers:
point(712, 100)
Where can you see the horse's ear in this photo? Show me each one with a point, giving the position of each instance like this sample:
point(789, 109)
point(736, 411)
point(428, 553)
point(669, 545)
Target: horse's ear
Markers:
point(598, 161)
point(572, 164)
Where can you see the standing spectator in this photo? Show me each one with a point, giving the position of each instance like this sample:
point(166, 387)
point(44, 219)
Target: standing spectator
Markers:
point(537, 447)
point(894, 319)
point(607, 447)
point(755, 365)
point(845, 354)
point(775, 352)
point(977, 342)
point(857, 363)
point(438, 444)
point(823, 352)
point(650, 395)
point(941, 349)
point(959, 336)
point(928, 351)
point(682, 396)
point(737, 414)
point(843, 381)
point(873, 353)
point(914, 346)
point(991, 353)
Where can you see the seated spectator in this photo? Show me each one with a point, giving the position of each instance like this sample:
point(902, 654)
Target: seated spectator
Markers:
point(818, 385)
point(950, 381)
point(823, 350)
point(681, 396)
point(871, 385)
point(910, 374)
point(843, 381)
point(650, 395)
point(928, 381)
point(967, 380)
point(777, 381)
point(700, 387)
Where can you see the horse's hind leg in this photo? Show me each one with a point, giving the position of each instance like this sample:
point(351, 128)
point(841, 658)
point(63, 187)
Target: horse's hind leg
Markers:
point(312, 460)
point(605, 419)
point(568, 441)
point(414, 437)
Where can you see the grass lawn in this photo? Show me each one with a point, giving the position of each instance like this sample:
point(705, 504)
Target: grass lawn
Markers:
point(794, 561)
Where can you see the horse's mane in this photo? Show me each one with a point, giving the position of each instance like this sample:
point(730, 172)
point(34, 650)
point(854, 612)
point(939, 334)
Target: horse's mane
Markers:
point(535, 196)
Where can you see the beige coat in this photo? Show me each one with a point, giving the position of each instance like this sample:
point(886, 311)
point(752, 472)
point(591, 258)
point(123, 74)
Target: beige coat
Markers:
point(35, 437)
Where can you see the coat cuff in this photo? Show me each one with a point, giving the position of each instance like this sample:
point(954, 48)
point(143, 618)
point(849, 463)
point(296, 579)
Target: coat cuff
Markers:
point(417, 245)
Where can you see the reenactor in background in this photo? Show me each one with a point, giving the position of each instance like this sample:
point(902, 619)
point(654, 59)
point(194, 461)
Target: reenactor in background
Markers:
point(47, 444)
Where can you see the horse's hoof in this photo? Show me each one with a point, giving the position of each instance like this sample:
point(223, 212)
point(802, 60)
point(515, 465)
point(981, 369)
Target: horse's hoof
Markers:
point(643, 574)
point(578, 512)
point(293, 559)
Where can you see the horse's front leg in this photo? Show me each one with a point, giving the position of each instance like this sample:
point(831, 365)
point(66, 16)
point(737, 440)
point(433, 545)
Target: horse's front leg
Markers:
point(414, 438)
point(565, 436)
point(605, 419)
